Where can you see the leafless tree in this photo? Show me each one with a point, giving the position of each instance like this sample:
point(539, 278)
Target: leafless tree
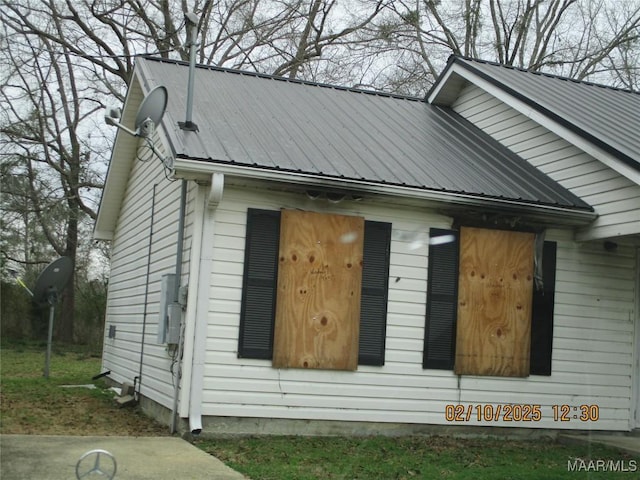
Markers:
point(595, 40)
point(44, 143)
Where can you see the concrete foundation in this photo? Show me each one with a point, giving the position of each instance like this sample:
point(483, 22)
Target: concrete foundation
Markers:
point(237, 426)
point(234, 426)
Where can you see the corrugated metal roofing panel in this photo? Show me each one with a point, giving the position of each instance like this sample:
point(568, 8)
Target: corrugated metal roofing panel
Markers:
point(585, 107)
point(275, 123)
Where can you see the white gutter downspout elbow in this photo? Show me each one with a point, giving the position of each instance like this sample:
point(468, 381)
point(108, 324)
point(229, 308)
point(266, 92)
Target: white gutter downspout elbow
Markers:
point(202, 302)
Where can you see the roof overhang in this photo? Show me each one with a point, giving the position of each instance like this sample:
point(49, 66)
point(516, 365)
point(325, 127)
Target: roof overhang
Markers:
point(456, 75)
point(201, 171)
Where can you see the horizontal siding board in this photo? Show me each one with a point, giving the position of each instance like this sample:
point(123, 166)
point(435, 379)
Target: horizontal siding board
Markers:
point(546, 400)
point(602, 179)
point(606, 189)
point(596, 293)
point(574, 366)
point(592, 328)
point(347, 390)
point(573, 389)
point(618, 278)
point(226, 280)
point(613, 359)
point(591, 345)
point(345, 415)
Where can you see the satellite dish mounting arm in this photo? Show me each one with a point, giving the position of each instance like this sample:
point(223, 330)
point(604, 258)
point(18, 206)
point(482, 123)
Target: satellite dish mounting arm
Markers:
point(111, 118)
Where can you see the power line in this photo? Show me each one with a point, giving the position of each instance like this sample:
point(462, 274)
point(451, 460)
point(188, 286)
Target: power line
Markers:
point(93, 56)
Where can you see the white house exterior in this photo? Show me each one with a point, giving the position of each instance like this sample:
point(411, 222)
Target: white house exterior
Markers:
point(304, 364)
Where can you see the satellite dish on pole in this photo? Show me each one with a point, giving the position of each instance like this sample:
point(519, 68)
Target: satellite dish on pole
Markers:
point(50, 283)
point(52, 280)
point(149, 114)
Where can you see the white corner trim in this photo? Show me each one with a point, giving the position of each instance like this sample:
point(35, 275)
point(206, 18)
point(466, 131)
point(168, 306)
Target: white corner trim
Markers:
point(191, 310)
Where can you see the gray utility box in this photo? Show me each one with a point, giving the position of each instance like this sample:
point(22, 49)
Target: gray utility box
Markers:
point(170, 311)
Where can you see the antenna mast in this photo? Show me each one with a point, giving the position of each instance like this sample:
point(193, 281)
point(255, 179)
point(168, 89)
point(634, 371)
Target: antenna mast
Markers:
point(192, 24)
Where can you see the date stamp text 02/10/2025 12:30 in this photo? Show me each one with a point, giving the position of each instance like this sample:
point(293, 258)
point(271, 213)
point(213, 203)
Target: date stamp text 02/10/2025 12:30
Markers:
point(520, 413)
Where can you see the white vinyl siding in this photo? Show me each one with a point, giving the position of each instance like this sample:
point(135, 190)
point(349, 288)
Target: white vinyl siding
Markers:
point(614, 197)
point(592, 348)
point(126, 293)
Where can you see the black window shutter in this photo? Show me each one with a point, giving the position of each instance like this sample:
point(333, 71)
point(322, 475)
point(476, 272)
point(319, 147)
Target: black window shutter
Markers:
point(257, 314)
point(375, 287)
point(259, 284)
point(542, 314)
point(442, 300)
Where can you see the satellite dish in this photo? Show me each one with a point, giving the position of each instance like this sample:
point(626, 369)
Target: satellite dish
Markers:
point(52, 280)
point(149, 114)
point(50, 283)
point(151, 109)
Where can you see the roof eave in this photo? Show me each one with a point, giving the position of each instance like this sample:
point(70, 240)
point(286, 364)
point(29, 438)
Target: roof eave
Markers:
point(122, 157)
point(200, 170)
point(444, 92)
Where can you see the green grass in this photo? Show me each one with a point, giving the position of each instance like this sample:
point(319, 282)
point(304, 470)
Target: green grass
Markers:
point(372, 458)
point(32, 404)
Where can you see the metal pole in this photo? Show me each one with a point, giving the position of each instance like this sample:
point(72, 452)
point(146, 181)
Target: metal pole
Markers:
point(192, 64)
point(193, 36)
point(179, 253)
point(146, 291)
point(192, 24)
point(47, 361)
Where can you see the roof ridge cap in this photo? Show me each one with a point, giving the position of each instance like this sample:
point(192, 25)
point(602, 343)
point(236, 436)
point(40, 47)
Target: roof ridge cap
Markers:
point(286, 79)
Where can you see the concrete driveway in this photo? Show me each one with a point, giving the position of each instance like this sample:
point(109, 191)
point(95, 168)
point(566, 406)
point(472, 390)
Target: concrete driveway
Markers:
point(36, 457)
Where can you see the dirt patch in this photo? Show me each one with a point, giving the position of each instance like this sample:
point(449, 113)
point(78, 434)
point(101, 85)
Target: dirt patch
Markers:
point(78, 413)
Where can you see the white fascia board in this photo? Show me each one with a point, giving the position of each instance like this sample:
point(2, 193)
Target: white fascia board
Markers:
point(570, 136)
point(441, 94)
point(102, 234)
point(202, 170)
point(604, 233)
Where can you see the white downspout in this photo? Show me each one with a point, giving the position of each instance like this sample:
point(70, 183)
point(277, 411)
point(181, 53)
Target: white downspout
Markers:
point(190, 312)
point(201, 320)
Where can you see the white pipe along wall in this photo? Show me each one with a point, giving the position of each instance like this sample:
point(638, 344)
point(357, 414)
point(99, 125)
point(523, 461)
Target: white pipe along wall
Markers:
point(202, 302)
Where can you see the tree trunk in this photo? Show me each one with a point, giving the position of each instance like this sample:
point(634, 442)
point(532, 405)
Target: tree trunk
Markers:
point(66, 319)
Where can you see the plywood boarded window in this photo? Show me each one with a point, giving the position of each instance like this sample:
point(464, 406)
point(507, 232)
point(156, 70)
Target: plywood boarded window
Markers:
point(495, 288)
point(319, 288)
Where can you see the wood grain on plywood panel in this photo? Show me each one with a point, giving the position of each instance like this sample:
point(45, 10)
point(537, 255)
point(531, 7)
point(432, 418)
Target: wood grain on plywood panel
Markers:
point(319, 289)
point(495, 289)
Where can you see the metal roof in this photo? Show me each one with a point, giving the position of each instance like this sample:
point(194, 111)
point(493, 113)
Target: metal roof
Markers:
point(284, 125)
point(608, 117)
